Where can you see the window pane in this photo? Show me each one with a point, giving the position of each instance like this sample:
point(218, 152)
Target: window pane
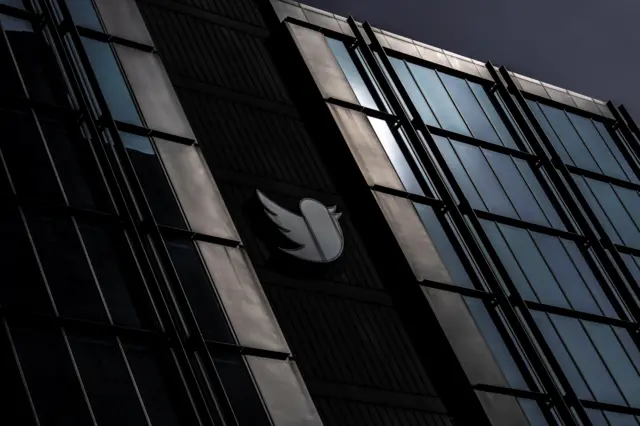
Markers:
point(616, 211)
point(494, 116)
point(14, 3)
point(624, 163)
point(107, 381)
point(565, 273)
point(540, 195)
point(444, 246)
point(587, 360)
point(412, 89)
point(562, 355)
point(496, 343)
point(460, 174)
point(10, 84)
point(533, 412)
point(66, 268)
point(22, 284)
point(439, 99)
point(551, 134)
point(36, 61)
point(484, 178)
point(199, 290)
point(509, 261)
point(77, 167)
point(619, 419)
point(570, 138)
point(241, 391)
point(594, 142)
point(50, 376)
point(16, 404)
point(153, 179)
point(516, 188)
point(115, 269)
point(601, 216)
point(83, 13)
point(353, 75)
point(159, 384)
point(590, 279)
point(28, 162)
point(390, 145)
point(111, 81)
point(470, 108)
point(534, 266)
point(616, 359)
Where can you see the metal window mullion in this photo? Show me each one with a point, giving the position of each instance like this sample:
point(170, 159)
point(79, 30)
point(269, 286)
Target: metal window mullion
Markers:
point(458, 218)
point(127, 199)
point(569, 191)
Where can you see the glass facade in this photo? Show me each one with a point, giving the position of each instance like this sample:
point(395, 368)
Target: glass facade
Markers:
point(547, 303)
point(108, 311)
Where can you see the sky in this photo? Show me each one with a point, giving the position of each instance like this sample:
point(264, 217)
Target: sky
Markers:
point(588, 46)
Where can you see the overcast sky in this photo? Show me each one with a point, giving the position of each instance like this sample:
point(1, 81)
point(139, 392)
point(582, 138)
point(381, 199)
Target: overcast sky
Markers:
point(589, 46)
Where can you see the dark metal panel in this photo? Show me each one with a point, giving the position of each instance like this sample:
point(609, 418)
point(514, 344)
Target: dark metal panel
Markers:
point(413, 238)
point(156, 97)
point(122, 18)
point(243, 297)
point(196, 190)
point(284, 392)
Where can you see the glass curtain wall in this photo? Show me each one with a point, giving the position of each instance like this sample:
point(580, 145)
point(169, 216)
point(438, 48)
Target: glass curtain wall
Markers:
point(108, 315)
point(556, 277)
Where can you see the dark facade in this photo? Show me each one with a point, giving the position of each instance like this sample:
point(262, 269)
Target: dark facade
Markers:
point(491, 226)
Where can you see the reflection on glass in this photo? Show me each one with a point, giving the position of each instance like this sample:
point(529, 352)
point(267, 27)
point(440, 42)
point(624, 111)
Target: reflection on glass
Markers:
point(570, 139)
point(613, 146)
point(397, 158)
point(351, 72)
point(533, 412)
point(84, 13)
point(444, 246)
point(414, 92)
point(439, 99)
point(601, 216)
point(14, 3)
point(470, 109)
point(616, 202)
point(493, 115)
point(111, 81)
point(494, 339)
point(549, 132)
point(153, 179)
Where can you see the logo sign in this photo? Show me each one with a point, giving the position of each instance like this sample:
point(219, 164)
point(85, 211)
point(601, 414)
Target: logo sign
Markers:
point(316, 229)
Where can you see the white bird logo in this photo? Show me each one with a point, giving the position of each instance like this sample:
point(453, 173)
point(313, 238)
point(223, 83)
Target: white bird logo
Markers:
point(317, 231)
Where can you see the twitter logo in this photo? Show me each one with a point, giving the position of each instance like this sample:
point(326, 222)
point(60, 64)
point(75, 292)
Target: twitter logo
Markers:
point(316, 229)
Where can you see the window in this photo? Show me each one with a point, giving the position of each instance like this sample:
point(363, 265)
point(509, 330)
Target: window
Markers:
point(610, 418)
point(600, 361)
point(444, 245)
point(583, 142)
point(153, 179)
point(496, 343)
point(616, 208)
point(111, 81)
point(350, 70)
point(548, 270)
point(199, 291)
point(84, 13)
point(498, 183)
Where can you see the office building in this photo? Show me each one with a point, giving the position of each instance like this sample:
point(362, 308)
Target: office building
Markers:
point(245, 212)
